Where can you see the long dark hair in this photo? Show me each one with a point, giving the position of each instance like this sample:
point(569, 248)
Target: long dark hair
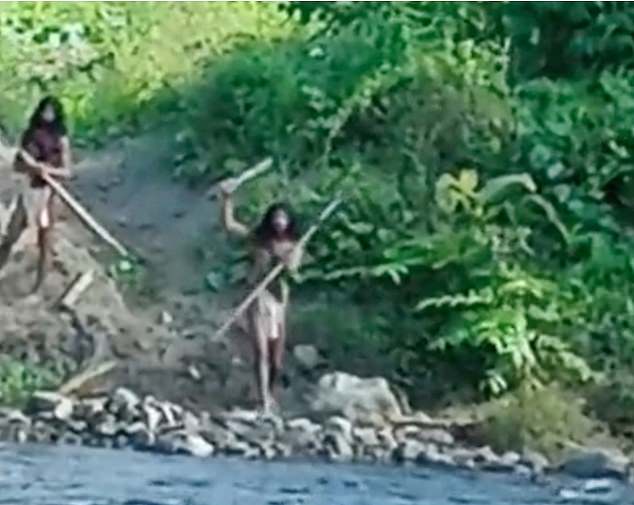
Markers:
point(58, 125)
point(265, 231)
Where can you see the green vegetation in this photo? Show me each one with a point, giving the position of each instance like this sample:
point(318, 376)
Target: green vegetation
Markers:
point(485, 151)
point(18, 380)
point(544, 420)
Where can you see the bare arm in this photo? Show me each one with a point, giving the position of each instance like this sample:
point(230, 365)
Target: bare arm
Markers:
point(229, 221)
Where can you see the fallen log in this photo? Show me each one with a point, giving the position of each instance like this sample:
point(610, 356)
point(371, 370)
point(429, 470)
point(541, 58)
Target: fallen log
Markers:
point(77, 381)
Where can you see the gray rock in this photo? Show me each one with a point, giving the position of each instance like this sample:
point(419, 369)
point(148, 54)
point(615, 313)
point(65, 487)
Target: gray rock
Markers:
point(60, 405)
point(337, 448)
point(169, 414)
point(124, 398)
point(366, 437)
point(567, 495)
point(597, 463)
point(340, 425)
point(598, 486)
point(191, 422)
point(219, 436)
point(366, 401)
point(302, 424)
point(194, 445)
point(108, 427)
point(140, 436)
point(77, 425)
point(504, 463)
point(437, 436)
point(307, 356)
point(22, 435)
point(14, 416)
point(165, 318)
point(462, 457)
point(88, 408)
point(386, 439)
point(300, 436)
point(70, 438)
point(241, 448)
point(152, 417)
point(536, 461)
point(248, 417)
point(409, 450)
point(432, 456)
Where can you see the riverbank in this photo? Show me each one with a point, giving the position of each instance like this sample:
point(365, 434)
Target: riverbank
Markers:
point(124, 420)
point(173, 373)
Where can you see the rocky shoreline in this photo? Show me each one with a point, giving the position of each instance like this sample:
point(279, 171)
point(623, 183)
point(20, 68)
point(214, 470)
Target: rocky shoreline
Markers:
point(122, 419)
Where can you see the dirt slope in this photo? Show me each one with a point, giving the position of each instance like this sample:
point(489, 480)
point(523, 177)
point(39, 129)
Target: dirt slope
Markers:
point(127, 187)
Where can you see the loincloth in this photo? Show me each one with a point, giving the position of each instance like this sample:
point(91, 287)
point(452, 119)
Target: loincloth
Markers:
point(37, 203)
point(268, 313)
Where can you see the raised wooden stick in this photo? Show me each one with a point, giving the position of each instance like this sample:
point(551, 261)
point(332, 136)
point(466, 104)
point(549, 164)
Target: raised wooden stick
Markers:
point(328, 210)
point(252, 172)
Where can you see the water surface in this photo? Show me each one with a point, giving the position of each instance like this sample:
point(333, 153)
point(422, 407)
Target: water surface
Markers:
point(48, 475)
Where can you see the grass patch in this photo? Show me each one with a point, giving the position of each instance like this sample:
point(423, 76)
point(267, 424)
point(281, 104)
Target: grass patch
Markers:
point(538, 419)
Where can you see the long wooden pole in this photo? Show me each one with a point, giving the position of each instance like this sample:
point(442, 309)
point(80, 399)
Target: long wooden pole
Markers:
point(84, 215)
point(77, 208)
point(328, 210)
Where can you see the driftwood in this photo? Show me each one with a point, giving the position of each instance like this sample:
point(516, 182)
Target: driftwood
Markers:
point(77, 208)
point(328, 210)
point(76, 288)
point(252, 172)
point(77, 381)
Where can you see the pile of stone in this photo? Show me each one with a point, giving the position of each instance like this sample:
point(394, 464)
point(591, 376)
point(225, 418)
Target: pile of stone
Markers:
point(363, 427)
point(122, 419)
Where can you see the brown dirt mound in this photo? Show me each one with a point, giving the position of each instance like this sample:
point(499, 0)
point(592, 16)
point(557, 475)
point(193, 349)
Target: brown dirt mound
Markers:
point(35, 328)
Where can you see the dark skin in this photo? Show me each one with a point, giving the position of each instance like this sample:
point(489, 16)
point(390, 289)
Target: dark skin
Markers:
point(45, 149)
point(273, 240)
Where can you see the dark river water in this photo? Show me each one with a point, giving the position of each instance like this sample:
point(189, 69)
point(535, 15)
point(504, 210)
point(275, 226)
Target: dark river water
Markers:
point(42, 475)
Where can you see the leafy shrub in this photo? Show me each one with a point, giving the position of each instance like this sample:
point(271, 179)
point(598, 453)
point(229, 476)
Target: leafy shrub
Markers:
point(19, 380)
point(543, 420)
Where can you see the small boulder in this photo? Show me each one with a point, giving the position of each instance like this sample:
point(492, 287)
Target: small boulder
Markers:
point(124, 398)
point(165, 318)
point(588, 463)
point(307, 356)
point(598, 486)
point(409, 450)
point(337, 448)
point(180, 442)
point(536, 461)
point(364, 400)
point(48, 401)
point(195, 445)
